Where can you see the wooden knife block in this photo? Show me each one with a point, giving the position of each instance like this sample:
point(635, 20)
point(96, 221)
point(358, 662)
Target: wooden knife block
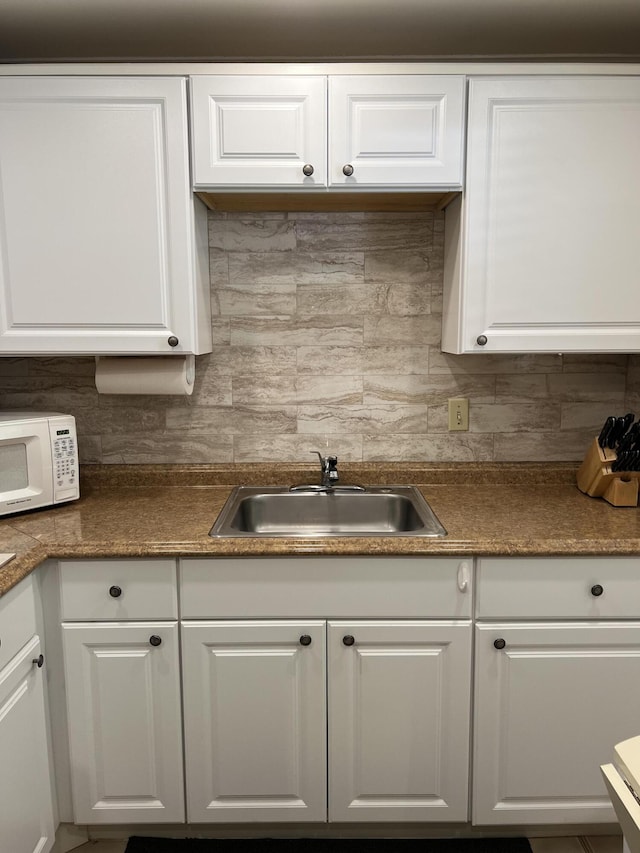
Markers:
point(596, 479)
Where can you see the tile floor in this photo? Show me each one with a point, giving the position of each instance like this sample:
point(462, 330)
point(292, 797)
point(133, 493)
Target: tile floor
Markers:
point(590, 844)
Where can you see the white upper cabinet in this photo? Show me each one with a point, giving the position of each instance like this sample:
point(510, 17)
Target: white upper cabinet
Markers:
point(541, 253)
point(396, 130)
point(262, 131)
point(102, 245)
point(372, 131)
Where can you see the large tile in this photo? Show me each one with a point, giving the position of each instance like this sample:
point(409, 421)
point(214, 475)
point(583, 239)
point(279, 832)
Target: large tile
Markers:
point(166, 448)
point(241, 360)
point(296, 268)
point(364, 235)
point(555, 446)
point(252, 235)
point(264, 388)
point(360, 419)
point(231, 420)
point(330, 360)
point(257, 299)
point(349, 299)
point(588, 387)
point(427, 388)
point(455, 447)
point(420, 329)
point(521, 388)
point(330, 330)
point(328, 389)
point(594, 363)
point(395, 359)
point(296, 448)
point(586, 415)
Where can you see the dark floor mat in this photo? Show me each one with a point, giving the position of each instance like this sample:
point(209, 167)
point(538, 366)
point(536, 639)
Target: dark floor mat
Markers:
point(139, 844)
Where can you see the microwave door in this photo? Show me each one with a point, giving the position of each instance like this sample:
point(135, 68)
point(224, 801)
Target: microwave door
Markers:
point(26, 478)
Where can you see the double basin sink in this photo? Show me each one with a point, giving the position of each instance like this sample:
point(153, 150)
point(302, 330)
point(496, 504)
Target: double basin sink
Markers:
point(311, 511)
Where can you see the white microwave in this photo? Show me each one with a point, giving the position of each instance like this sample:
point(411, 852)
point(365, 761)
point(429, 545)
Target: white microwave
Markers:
point(38, 460)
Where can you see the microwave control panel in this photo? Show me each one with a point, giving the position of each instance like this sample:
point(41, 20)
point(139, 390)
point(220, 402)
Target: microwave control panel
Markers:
point(64, 446)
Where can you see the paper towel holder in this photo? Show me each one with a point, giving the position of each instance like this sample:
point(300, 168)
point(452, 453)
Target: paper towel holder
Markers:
point(147, 364)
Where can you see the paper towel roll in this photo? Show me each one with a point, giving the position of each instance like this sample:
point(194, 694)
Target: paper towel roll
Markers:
point(172, 374)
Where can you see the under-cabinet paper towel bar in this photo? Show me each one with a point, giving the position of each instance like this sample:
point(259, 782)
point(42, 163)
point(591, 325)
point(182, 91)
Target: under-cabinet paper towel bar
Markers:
point(160, 374)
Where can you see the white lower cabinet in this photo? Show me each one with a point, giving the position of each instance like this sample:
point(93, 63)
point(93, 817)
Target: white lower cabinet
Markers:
point(26, 809)
point(550, 706)
point(333, 689)
point(261, 692)
point(399, 698)
point(557, 685)
point(125, 730)
point(122, 673)
point(255, 723)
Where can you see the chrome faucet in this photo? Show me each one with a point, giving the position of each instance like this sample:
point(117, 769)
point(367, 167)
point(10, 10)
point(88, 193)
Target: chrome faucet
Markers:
point(328, 478)
point(329, 469)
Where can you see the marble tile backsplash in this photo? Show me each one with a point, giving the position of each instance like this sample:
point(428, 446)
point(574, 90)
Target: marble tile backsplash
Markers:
point(327, 336)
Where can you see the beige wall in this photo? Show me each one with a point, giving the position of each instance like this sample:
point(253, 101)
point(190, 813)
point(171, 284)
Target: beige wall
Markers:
point(327, 332)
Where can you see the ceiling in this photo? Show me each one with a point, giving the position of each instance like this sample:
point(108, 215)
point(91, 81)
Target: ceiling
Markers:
point(317, 30)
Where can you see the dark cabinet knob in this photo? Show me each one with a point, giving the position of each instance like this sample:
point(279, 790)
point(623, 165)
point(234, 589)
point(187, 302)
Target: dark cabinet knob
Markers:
point(115, 591)
point(499, 643)
point(348, 640)
point(155, 640)
point(38, 661)
point(481, 340)
point(173, 341)
point(305, 640)
point(596, 590)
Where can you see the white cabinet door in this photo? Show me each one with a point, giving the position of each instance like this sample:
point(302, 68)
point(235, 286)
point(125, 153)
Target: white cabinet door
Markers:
point(541, 254)
point(399, 704)
point(26, 810)
point(125, 731)
point(255, 721)
point(259, 131)
point(396, 130)
point(101, 247)
point(550, 706)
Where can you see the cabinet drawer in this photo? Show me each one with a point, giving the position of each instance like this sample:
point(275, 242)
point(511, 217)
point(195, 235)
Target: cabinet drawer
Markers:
point(118, 589)
point(17, 619)
point(558, 587)
point(321, 587)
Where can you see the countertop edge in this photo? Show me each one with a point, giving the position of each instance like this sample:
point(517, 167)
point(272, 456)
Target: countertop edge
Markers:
point(57, 533)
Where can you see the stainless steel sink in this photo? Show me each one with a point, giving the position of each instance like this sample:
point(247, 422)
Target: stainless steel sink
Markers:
point(339, 511)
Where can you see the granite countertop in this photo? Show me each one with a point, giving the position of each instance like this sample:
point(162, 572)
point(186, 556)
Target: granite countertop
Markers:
point(148, 510)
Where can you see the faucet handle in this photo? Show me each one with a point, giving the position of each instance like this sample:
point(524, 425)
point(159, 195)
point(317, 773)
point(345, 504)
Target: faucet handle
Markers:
point(332, 467)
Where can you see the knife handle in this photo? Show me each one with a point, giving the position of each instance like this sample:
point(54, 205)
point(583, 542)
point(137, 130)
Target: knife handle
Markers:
point(605, 432)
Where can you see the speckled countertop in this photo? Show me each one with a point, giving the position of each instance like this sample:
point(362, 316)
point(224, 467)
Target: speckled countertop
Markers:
point(145, 510)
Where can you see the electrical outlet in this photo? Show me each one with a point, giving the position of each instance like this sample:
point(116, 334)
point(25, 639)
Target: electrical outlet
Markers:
point(458, 413)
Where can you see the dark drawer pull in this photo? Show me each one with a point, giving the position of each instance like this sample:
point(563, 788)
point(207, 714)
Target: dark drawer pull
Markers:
point(348, 640)
point(115, 591)
point(155, 640)
point(499, 643)
point(305, 640)
point(597, 589)
point(38, 661)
